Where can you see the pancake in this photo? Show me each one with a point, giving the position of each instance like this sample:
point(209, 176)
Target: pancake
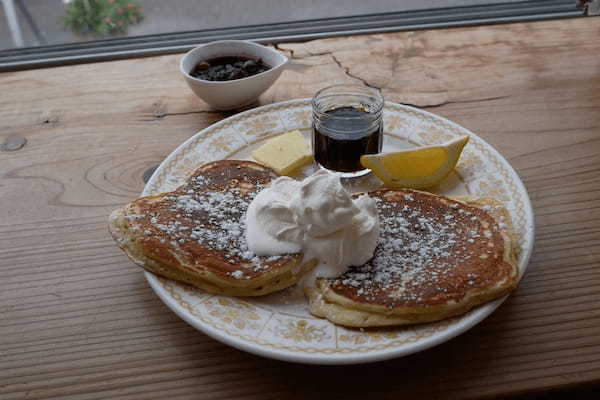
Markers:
point(196, 233)
point(436, 258)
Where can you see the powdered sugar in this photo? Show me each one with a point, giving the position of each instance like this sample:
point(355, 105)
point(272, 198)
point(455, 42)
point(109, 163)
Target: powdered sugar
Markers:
point(213, 219)
point(416, 249)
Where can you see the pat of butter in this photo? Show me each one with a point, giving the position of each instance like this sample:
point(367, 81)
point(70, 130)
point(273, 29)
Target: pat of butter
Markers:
point(284, 153)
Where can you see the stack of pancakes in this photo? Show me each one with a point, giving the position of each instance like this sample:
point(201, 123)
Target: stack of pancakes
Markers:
point(436, 257)
point(196, 234)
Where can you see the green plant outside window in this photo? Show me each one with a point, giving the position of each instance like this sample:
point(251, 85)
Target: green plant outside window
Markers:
point(102, 17)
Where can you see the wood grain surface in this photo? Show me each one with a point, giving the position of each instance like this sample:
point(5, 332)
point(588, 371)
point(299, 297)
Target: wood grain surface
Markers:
point(79, 321)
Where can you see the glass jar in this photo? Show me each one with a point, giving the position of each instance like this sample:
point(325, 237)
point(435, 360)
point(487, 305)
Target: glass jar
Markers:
point(347, 123)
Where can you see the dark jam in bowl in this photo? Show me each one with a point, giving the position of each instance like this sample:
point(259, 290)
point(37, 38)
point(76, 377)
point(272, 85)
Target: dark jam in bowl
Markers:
point(228, 68)
point(344, 134)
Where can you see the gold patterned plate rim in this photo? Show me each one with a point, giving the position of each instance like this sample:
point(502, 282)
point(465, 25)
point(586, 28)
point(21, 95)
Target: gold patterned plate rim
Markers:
point(273, 333)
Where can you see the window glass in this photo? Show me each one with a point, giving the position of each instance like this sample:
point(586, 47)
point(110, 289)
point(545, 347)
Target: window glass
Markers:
point(28, 23)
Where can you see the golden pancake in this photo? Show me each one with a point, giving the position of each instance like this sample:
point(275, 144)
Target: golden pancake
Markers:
point(196, 233)
point(436, 258)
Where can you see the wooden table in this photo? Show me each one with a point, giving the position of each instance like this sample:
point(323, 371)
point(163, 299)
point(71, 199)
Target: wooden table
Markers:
point(79, 321)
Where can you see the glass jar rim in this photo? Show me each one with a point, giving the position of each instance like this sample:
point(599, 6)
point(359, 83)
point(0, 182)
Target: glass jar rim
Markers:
point(379, 100)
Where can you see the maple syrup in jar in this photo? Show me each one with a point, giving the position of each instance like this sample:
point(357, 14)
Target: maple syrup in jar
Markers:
point(347, 123)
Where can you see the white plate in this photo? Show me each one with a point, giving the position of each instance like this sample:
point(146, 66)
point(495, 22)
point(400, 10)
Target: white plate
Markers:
point(279, 325)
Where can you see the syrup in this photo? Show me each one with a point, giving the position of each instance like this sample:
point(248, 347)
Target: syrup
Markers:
point(344, 134)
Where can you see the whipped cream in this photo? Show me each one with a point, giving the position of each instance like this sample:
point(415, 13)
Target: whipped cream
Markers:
point(316, 216)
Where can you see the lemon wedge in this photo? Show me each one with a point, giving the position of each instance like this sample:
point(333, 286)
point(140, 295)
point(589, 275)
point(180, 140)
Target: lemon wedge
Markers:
point(418, 168)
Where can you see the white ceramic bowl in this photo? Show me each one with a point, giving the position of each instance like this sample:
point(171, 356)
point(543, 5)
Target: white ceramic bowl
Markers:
point(229, 95)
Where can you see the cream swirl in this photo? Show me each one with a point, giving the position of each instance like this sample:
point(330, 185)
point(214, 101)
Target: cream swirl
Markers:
point(316, 216)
